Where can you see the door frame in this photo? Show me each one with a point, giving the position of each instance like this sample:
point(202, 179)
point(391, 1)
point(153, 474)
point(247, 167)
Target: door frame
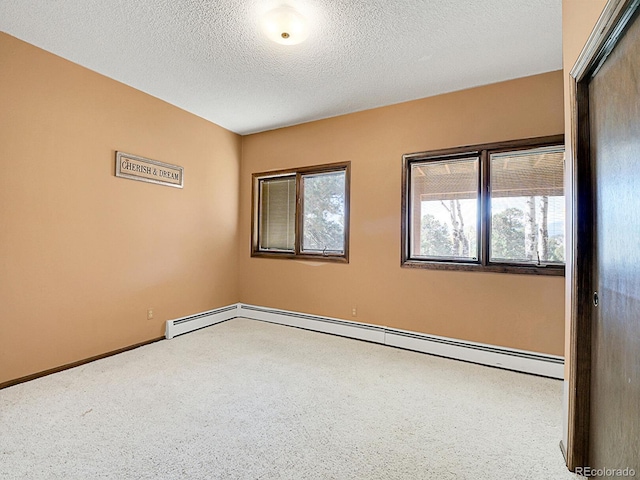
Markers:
point(611, 26)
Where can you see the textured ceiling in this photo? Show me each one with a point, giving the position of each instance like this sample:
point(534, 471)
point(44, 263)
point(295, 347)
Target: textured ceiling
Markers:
point(210, 57)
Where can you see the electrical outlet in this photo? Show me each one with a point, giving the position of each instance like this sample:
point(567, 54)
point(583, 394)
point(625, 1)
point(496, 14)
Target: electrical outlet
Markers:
point(150, 314)
point(354, 311)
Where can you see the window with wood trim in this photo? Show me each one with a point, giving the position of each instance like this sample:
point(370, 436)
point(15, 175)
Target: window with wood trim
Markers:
point(302, 213)
point(497, 207)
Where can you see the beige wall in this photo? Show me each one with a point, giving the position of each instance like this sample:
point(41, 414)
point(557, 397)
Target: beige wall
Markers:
point(83, 253)
point(519, 311)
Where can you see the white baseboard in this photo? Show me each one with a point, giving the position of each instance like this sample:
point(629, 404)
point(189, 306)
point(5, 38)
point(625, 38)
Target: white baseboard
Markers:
point(360, 331)
point(484, 354)
point(195, 322)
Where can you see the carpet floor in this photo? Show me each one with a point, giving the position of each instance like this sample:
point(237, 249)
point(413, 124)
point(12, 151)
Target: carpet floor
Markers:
point(252, 400)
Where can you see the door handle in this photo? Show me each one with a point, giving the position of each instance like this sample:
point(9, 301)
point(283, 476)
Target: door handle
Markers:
point(596, 299)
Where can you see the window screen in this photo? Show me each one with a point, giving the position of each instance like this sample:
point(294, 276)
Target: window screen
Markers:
point(277, 214)
point(527, 206)
point(444, 209)
point(323, 207)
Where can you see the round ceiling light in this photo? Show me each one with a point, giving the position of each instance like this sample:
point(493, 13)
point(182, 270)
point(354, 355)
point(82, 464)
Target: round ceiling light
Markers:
point(285, 25)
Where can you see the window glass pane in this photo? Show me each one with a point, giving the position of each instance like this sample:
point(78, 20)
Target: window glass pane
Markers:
point(277, 214)
point(527, 206)
point(323, 222)
point(444, 207)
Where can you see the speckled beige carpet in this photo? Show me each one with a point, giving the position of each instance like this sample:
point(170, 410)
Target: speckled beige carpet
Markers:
point(251, 400)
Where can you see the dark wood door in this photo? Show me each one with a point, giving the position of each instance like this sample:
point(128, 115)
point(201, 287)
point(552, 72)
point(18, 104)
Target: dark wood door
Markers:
point(614, 123)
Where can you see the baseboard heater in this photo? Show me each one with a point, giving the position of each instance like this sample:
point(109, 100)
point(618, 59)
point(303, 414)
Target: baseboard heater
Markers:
point(195, 322)
point(484, 354)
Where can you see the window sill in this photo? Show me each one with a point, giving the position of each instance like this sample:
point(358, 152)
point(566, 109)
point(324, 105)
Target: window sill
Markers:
point(293, 256)
point(552, 270)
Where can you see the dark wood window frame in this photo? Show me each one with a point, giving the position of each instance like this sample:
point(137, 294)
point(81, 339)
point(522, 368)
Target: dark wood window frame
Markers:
point(483, 152)
point(298, 253)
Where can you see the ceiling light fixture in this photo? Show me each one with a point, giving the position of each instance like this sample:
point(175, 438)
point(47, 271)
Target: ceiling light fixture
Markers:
point(285, 25)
